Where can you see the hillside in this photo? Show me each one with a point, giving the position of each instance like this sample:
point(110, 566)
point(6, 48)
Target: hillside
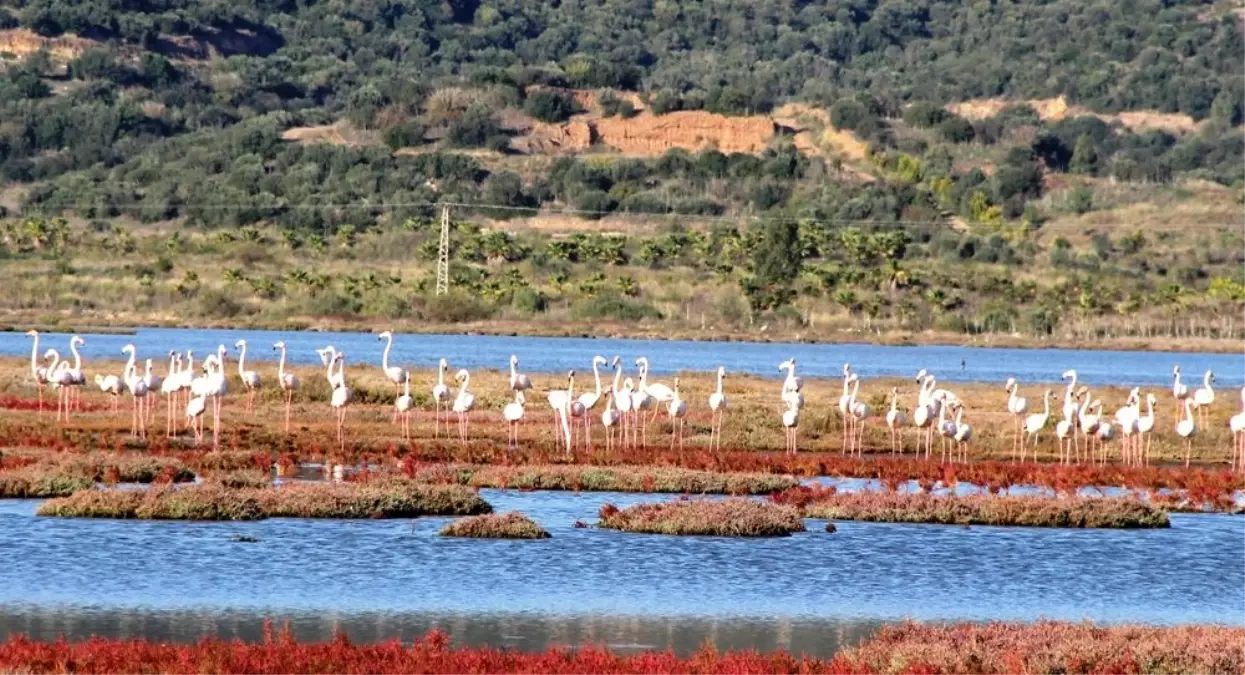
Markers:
point(893, 155)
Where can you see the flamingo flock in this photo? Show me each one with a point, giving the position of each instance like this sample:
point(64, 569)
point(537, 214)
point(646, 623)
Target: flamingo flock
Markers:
point(1083, 431)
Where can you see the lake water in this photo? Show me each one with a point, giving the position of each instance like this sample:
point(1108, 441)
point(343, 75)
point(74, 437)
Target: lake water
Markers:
point(396, 578)
point(558, 354)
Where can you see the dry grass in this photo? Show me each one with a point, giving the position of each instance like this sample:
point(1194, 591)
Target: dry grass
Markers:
point(601, 479)
point(512, 525)
point(717, 518)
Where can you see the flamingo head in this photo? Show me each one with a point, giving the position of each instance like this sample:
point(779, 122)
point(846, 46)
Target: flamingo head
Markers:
point(514, 359)
point(787, 365)
point(1210, 377)
point(1175, 371)
point(642, 363)
point(278, 345)
point(128, 349)
point(721, 371)
point(461, 375)
point(1151, 399)
point(920, 374)
point(98, 378)
point(1011, 383)
point(628, 384)
point(443, 365)
point(847, 368)
point(1048, 393)
point(894, 391)
point(51, 354)
point(617, 362)
point(32, 333)
point(1069, 374)
point(77, 340)
point(385, 334)
point(1082, 391)
point(239, 344)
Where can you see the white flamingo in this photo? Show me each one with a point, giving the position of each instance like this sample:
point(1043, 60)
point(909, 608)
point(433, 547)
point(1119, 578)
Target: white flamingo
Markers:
point(845, 405)
point(518, 381)
point(925, 413)
point(75, 373)
point(138, 392)
point(287, 381)
point(403, 406)
point(609, 418)
point(1145, 426)
point(1065, 430)
point(589, 399)
point(1034, 424)
point(513, 413)
point(216, 387)
point(659, 393)
point(60, 379)
point(1237, 425)
point(717, 405)
point(1071, 404)
point(110, 385)
point(394, 374)
point(623, 399)
point(641, 402)
point(341, 395)
point(677, 409)
point(1088, 423)
point(946, 429)
point(860, 411)
point(154, 383)
point(1204, 397)
point(791, 423)
point(792, 386)
point(198, 389)
point(1126, 418)
point(895, 420)
point(1180, 390)
point(1017, 406)
point(963, 432)
point(441, 397)
point(463, 403)
point(328, 356)
point(250, 378)
point(1187, 429)
point(168, 389)
point(37, 372)
point(562, 412)
point(194, 416)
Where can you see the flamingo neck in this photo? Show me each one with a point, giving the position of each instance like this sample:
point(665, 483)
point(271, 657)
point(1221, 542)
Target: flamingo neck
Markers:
point(618, 377)
point(462, 387)
point(77, 358)
point(241, 358)
point(855, 389)
point(34, 356)
point(719, 382)
point(384, 359)
point(596, 373)
point(894, 402)
point(959, 416)
point(281, 365)
point(329, 373)
point(1046, 403)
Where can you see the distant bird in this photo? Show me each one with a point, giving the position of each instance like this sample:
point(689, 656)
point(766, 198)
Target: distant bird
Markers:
point(609, 418)
point(110, 385)
point(946, 429)
point(341, 396)
point(250, 378)
point(1187, 429)
point(1017, 406)
point(790, 423)
point(518, 381)
point(1034, 424)
point(513, 413)
point(394, 374)
point(403, 406)
point(677, 408)
point(1204, 397)
point(441, 397)
point(963, 432)
point(860, 411)
point(1180, 391)
point(138, 391)
point(717, 405)
point(589, 399)
point(895, 420)
point(626, 409)
point(194, 415)
point(1145, 426)
point(288, 381)
point(37, 372)
point(463, 403)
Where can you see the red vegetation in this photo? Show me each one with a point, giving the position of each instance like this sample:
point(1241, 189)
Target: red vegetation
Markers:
point(1045, 647)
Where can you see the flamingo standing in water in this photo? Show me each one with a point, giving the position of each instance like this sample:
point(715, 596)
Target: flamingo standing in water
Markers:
point(441, 396)
point(169, 388)
point(287, 381)
point(463, 403)
point(403, 406)
point(37, 372)
point(860, 411)
point(341, 396)
point(717, 404)
point(250, 378)
point(513, 413)
point(394, 374)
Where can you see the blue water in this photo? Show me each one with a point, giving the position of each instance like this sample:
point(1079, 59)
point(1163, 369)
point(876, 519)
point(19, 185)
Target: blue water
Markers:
point(128, 577)
point(557, 354)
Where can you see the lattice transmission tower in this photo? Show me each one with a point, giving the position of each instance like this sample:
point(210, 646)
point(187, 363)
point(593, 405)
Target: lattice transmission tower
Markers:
point(443, 255)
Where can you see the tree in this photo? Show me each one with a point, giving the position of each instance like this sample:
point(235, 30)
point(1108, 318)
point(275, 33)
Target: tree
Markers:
point(777, 259)
point(1084, 156)
point(474, 128)
point(550, 106)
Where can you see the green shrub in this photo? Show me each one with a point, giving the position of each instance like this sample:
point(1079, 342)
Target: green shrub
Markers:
point(609, 305)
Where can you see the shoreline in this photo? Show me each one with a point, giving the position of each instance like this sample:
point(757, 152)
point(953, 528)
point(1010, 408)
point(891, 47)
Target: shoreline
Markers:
point(623, 331)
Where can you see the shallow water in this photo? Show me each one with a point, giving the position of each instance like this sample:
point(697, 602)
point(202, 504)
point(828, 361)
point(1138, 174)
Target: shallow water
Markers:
point(542, 355)
point(396, 578)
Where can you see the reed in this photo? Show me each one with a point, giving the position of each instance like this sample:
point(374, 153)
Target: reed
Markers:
point(1025, 511)
point(393, 499)
point(602, 479)
point(512, 525)
point(37, 482)
point(720, 518)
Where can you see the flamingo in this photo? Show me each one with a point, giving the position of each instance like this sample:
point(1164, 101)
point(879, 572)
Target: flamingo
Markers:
point(562, 412)
point(1071, 405)
point(623, 399)
point(963, 432)
point(403, 406)
point(154, 383)
point(441, 396)
point(194, 416)
point(926, 411)
point(169, 388)
point(791, 422)
point(1106, 431)
point(78, 377)
point(609, 418)
point(791, 386)
point(217, 386)
point(1145, 425)
point(341, 395)
point(110, 385)
point(1017, 406)
point(138, 391)
point(463, 403)
point(1180, 391)
point(941, 396)
point(328, 356)
point(860, 411)
point(38, 372)
point(1187, 429)
point(895, 420)
point(717, 404)
point(60, 379)
point(1204, 397)
point(519, 381)
point(287, 381)
point(659, 392)
point(589, 399)
point(1237, 425)
point(1034, 424)
point(641, 402)
point(250, 378)
point(1087, 422)
point(1126, 418)
point(677, 409)
point(392, 373)
point(1063, 429)
point(513, 413)
point(946, 429)
point(199, 388)
point(845, 404)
